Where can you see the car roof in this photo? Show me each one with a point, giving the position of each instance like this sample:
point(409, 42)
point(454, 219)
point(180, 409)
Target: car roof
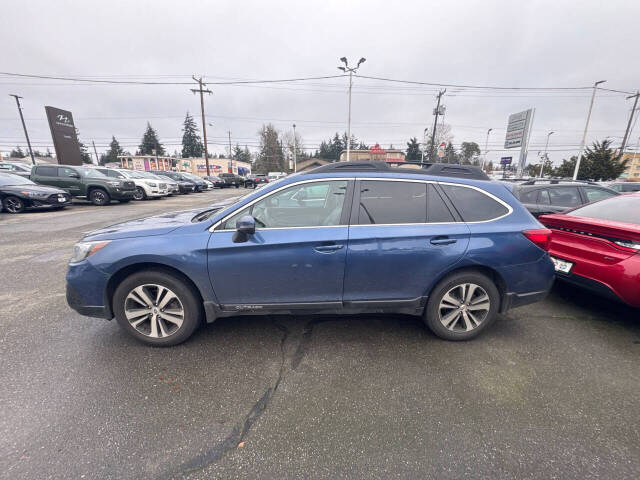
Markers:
point(431, 169)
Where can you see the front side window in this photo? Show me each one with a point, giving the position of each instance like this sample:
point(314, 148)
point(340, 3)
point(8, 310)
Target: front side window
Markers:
point(306, 205)
point(67, 172)
point(474, 205)
point(385, 203)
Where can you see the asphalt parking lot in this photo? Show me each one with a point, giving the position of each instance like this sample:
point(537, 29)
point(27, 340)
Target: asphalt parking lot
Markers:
point(550, 391)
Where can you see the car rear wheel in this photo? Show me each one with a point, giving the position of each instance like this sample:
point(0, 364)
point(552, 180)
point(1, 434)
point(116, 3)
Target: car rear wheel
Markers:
point(13, 204)
point(99, 197)
point(462, 305)
point(139, 194)
point(157, 308)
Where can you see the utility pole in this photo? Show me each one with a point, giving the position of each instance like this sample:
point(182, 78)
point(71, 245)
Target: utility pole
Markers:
point(202, 91)
point(230, 151)
point(544, 155)
point(96, 152)
point(586, 127)
point(295, 148)
point(626, 132)
point(24, 126)
point(486, 148)
point(351, 71)
point(432, 153)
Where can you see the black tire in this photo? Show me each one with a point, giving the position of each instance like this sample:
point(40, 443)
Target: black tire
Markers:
point(140, 194)
point(432, 316)
point(188, 297)
point(13, 204)
point(125, 200)
point(99, 197)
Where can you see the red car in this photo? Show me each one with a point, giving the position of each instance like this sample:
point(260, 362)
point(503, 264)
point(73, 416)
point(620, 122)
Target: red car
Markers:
point(597, 246)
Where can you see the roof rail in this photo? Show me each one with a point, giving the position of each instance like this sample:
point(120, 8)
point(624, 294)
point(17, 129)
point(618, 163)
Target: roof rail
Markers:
point(555, 181)
point(435, 169)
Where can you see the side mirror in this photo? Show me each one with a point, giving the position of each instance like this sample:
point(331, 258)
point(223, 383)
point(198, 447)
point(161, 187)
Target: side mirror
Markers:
point(245, 226)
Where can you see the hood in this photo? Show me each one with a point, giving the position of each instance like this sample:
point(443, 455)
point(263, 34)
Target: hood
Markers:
point(33, 188)
point(145, 227)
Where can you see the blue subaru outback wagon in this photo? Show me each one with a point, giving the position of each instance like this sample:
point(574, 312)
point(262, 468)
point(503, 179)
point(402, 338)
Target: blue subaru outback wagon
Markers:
point(442, 242)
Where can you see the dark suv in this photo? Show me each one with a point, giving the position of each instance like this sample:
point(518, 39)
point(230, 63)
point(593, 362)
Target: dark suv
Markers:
point(232, 180)
point(84, 182)
point(541, 197)
point(625, 187)
point(253, 180)
point(185, 185)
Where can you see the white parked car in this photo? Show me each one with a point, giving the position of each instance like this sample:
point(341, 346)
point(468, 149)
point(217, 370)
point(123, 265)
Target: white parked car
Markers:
point(145, 187)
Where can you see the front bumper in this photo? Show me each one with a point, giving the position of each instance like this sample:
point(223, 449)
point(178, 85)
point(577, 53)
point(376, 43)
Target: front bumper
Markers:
point(118, 194)
point(56, 199)
point(85, 291)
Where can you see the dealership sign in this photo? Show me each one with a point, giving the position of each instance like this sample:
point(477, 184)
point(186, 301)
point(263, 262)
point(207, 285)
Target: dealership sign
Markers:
point(506, 160)
point(65, 139)
point(518, 129)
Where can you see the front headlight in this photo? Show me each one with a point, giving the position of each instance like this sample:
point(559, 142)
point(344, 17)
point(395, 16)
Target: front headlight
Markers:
point(35, 194)
point(82, 250)
point(152, 184)
point(114, 183)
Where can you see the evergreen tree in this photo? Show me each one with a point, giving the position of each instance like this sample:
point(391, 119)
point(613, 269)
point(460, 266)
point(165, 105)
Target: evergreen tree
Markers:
point(17, 153)
point(450, 154)
point(48, 153)
point(271, 155)
point(84, 151)
point(467, 151)
point(150, 142)
point(336, 147)
point(599, 163)
point(191, 143)
point(325, 151)
point(413, 150)
point(112, 154)
point(363, 146)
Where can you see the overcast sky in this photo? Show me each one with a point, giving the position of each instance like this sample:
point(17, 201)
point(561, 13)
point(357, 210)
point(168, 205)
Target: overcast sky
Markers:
point(481, 43)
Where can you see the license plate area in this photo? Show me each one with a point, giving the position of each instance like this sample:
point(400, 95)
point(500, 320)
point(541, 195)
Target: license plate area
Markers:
point(561, 266)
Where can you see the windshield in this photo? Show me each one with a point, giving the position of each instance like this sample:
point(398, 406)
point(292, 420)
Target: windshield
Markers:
point(91, 173)
point(624, 208)
point(14, 180)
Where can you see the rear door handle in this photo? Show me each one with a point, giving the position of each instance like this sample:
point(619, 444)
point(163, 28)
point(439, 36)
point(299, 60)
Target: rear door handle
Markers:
point(442, 241)
point(327, 248)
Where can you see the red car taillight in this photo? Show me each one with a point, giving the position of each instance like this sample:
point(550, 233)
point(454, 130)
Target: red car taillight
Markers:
point(540, 237)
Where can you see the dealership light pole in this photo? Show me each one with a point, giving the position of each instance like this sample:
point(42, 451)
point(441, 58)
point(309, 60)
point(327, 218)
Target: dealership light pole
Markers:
point(544, 155)
point(24, 126)
point(201, 90)
point(586, 128)
point(295, 148)
point(351, 71)
point(486, 148)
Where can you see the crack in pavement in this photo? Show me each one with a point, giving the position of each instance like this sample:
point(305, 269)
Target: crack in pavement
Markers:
point(240, 430)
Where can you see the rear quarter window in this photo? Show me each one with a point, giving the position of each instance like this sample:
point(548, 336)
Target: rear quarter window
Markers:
point(47, 171)
point(474, 205)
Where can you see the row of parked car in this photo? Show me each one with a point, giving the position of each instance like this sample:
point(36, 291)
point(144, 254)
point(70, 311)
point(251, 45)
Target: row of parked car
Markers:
point(54, 186)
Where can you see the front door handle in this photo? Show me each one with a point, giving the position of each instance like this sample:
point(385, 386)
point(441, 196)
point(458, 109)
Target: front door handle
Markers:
point(327, 248)
point(442, 241)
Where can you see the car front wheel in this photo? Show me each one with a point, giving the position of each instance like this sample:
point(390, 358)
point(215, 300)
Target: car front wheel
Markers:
point(139, 194)
point(462, 305)
point(157, 308)
point(99, 197)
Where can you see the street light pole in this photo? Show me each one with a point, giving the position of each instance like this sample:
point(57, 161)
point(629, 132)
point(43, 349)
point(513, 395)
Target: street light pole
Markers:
point(586, 128)
point(486, 148)
point(351, 71)
point(24, 126)
point(424, 142)
point(626, 133)
point(295, 148)
point(544, 155)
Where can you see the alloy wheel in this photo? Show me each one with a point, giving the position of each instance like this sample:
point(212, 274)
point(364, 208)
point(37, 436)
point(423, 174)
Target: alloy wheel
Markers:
point(464, 307)
point(154, 310)
point(99, 197)
point(13, 205)
point(138, 194)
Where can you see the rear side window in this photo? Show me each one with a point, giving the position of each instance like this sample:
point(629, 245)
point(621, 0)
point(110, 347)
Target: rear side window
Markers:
point(564, 196)
point(529, 196)
point(392, 202)
point(47, 171)
point(437, 210)
point(594, 193)
point(474, 205)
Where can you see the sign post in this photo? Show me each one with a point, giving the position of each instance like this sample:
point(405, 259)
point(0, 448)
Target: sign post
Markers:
point(518, 135)
point(65, 139)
